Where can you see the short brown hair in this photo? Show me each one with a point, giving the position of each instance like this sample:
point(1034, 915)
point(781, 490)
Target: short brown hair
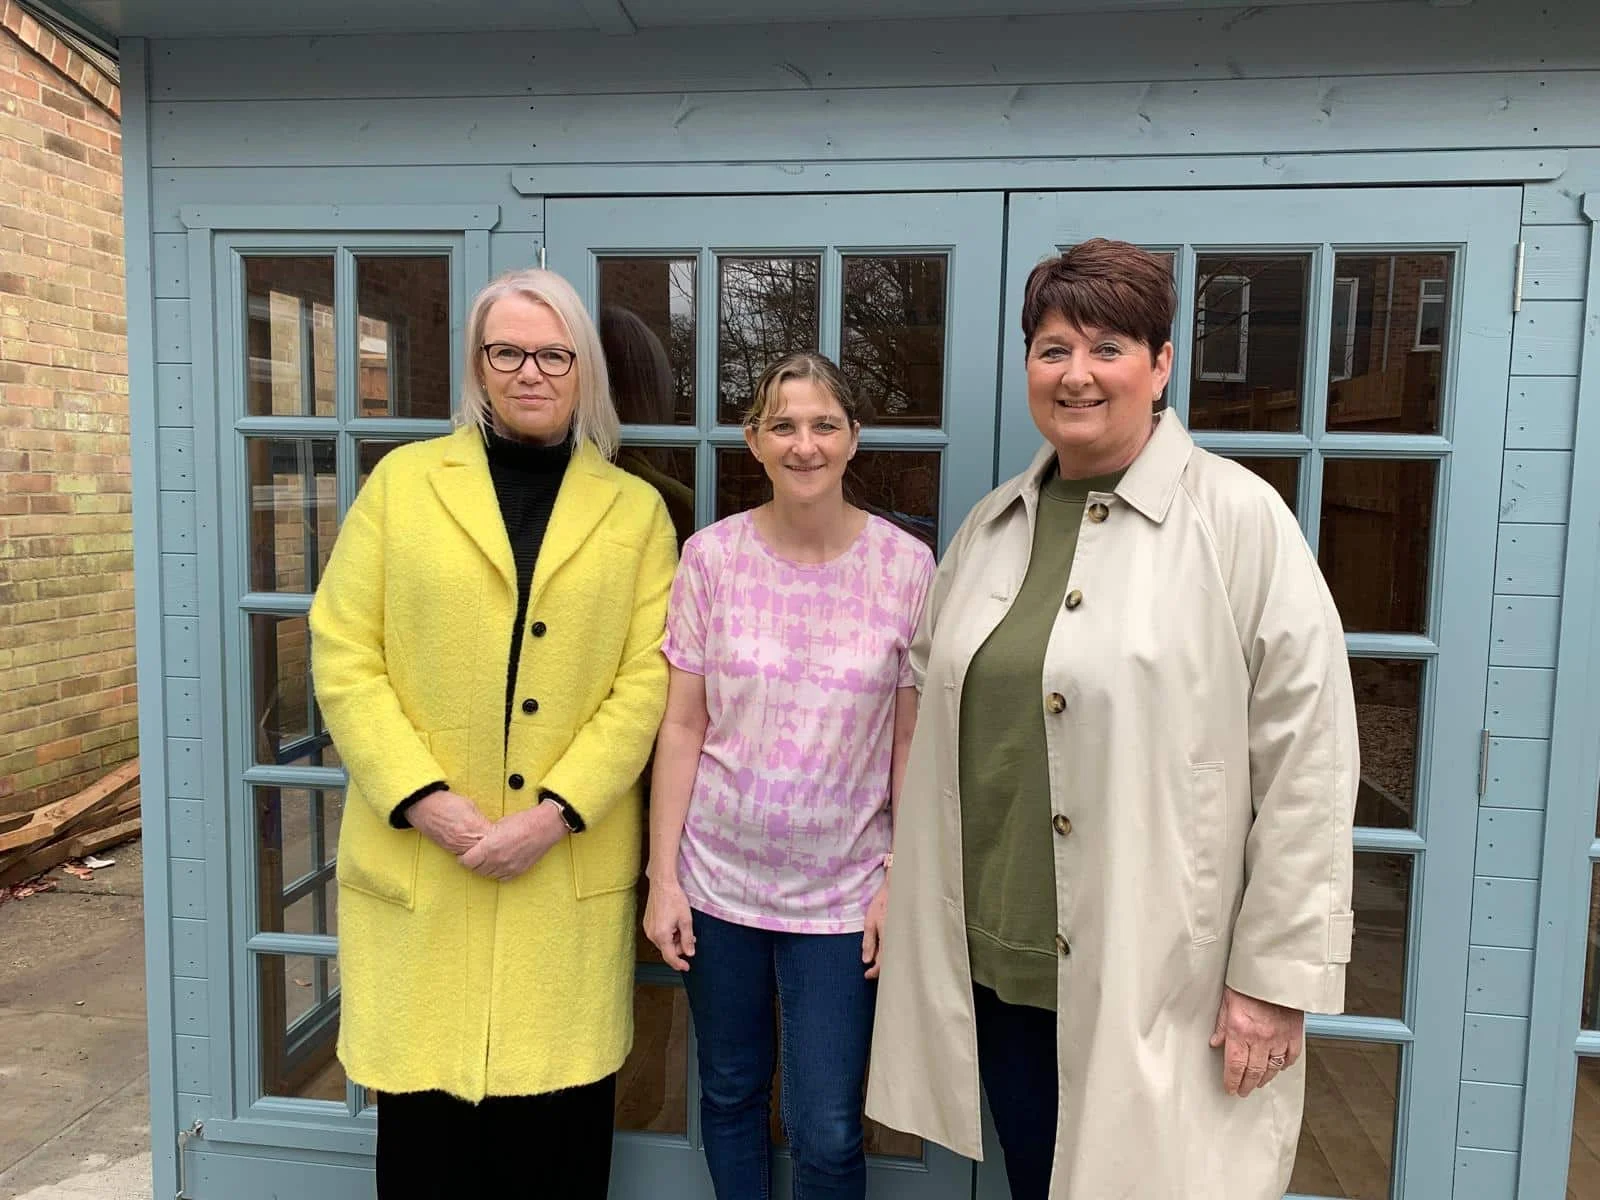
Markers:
point(1106, 285)
point(803, 364)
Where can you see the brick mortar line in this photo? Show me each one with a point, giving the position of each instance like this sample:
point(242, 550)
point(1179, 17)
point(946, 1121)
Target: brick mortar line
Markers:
point(16, 19)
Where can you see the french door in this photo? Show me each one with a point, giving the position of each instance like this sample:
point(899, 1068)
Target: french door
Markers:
point(1352, 348)
point(694, 297)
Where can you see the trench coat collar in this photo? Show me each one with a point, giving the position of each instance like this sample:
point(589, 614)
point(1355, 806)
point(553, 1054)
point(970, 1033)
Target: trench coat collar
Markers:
point(1148, 485)
point(465, 487)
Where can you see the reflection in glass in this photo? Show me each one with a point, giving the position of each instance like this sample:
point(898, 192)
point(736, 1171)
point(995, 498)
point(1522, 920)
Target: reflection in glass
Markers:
point(1590, 1017)
point(1376, 539)
point(899, 485)
point(403, 336)
point(1249, 341)
point(1347, 1136)
point(1583, 1165)
point(670, 470)
point(294, 512)
point(1375, 982)
point(766, 308)
point(289, 336)
point(297, 839)
point(369, 452)
point(1385, 366)
point(1388, 696)
point(892, 341)
point(1282, 473)
point(299, 1026)
point(647, 330)
point(286, 721)
point(653, 1085)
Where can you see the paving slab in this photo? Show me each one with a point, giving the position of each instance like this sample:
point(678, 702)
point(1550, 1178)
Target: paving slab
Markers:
point(104, 1154)
point(73, 952)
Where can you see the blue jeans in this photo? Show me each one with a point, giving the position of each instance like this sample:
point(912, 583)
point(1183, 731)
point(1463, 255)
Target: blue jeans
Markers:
point(825, 1007)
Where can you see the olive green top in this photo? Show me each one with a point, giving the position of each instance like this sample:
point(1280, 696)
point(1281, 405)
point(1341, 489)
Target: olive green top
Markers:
point(1007, 858)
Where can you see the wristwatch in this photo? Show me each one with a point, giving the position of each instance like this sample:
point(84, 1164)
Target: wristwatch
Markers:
point(569, 815)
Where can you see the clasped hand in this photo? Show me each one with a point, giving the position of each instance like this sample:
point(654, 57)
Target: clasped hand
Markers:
point(501, 849)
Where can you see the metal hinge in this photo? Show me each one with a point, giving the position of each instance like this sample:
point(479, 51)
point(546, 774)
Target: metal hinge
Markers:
point(194, 1133)
point(1516, 290)
point(541, 263)
point(1483, 762)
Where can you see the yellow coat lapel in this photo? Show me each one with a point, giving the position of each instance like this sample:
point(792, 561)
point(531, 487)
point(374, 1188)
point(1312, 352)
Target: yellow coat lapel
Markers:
point(465, 488)
point(587, 494)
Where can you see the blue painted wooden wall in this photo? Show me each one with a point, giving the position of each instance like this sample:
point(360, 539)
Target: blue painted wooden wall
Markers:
point(1494, 91)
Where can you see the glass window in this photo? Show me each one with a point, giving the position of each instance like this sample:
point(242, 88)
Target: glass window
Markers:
point(1430, 314)
point(289, 363)
point(1376, 541)
point(1250, 336)
point(403, 336)
point(1348, 1133)
point(1388, 694)
point(298, 997)
point(1385, 368)
point(294, 512)
point(892, 343)
point(1583, 1164)
point(648, 329)
point(766, 308)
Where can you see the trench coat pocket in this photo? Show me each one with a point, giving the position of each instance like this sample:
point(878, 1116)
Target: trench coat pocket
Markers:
point(1208, 795)
point(375, 858)
point(1341, 931)
point(606, 856)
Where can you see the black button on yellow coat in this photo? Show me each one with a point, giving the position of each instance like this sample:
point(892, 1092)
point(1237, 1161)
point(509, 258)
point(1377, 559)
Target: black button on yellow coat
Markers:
point(515, 782)
point(538, 629)
point(530, 706)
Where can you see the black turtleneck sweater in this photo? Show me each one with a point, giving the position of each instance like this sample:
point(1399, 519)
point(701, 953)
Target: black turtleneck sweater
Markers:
point(527, 478)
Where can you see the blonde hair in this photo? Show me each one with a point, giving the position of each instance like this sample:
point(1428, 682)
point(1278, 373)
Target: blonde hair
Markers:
point(803, 364)
point(594, 416)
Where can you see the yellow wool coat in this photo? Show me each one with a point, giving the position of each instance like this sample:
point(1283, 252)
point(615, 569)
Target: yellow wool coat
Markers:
point(450, 980)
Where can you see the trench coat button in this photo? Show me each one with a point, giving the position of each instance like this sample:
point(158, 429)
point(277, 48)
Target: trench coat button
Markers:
point(1061, 823)
point(538, 629)
point(1062, 947)
point(1074, 598)
point(1098, 512)
point(515, 782)
point(530, 706)
point(1055, 702)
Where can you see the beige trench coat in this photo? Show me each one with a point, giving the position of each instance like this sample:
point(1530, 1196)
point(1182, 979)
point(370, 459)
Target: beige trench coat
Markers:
point(1205, 759)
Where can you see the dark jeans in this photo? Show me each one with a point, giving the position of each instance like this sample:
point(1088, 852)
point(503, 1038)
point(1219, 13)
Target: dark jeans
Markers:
point(433, 1146)
point(1017, 1061)
point(825, 1005)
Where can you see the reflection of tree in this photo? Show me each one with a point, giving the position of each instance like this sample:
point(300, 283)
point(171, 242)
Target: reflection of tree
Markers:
point(767, 307)
point(893, 344)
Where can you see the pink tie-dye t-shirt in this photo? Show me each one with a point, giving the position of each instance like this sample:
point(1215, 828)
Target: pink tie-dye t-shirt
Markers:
point(789, 817)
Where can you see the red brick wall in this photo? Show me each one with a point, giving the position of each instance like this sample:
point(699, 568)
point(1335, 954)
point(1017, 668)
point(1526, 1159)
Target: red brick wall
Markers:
point(67, 702)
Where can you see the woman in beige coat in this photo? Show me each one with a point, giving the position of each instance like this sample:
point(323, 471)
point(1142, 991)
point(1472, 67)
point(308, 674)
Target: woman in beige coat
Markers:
point(1122, 865)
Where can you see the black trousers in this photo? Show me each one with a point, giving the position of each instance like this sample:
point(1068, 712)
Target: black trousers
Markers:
point(433, 1146)
point(1017, 1062)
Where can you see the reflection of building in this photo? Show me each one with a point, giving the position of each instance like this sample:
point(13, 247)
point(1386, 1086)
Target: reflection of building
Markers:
point(1345, 249)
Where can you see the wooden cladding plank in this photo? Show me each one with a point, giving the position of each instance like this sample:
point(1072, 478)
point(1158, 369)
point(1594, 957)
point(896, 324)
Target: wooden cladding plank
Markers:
point(1521, 700)
point(185, 768)
point(182, 707)
point(1542, 413)
point(1559, 201)
point(1556, 262)
point(192, 1108)
point(188, 876)
point(181, 646)
point(1505, 912)
point(509, 251)
point(1317, 41)
point(190, 1001)
point(189, 949)
point(1487, 1174)
point(170, 266)
point(180, 585)
point(1536, 486)
point(1519, 773)
point(1485, 110)
point(177, 522)
point(1530, 559)
point(174, 394)
point(1547, 338)
point(193, 1056)
point(172, 331)
point(175, 452)
point(1490, 1117)
point(1525, 631)
point(410, 184)
point(186, 829)
point(1510, 842)
point(1496, 1050)
point(1499, 981)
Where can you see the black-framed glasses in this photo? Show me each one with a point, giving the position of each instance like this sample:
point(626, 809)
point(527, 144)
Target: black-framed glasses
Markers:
point(554, 361)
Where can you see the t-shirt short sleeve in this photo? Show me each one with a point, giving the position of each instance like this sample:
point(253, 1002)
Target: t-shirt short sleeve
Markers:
point(687, 611)
point(919, 582)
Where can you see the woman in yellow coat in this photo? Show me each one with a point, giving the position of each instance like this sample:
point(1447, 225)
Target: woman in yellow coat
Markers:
point(487, 654)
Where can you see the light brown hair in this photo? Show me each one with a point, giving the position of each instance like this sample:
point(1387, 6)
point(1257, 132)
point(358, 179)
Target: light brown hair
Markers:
point(803, 364)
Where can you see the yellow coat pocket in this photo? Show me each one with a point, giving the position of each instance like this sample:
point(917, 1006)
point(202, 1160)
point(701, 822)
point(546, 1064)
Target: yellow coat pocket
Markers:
point(375, 858)
point(605, 857)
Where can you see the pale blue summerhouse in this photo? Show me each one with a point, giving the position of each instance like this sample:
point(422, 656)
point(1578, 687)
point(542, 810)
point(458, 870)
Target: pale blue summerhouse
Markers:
point(1379, 215)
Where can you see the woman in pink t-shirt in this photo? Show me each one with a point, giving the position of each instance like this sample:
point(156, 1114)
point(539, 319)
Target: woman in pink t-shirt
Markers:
point(789, 713)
